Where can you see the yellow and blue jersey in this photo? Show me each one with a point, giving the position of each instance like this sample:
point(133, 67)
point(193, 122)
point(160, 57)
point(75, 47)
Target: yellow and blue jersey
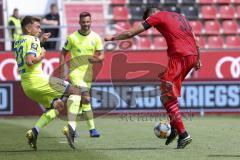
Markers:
point(39, 87)
point(24, 45)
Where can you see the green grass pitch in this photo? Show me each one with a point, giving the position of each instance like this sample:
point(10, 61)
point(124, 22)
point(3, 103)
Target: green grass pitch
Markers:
point(214, 138)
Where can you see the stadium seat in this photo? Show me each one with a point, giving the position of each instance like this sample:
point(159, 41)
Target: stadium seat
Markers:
point(136, 12)
point(236, 1)
point(215, 42)
point(118, 2)
point(196, 27)
point(212, 27)
point(237, 12)
point(143, 43)
point(155, 31)
point(226, 12)
point(135, 2)
point(201, 41)
point(205, 1)
point(190, 12)
point(152, 3)
point(172, 8)
point(192, 2)
point(232, 42)
point(169, 1)
point(223, 1)
point(230, 27)
point(208, 12)
point(71, 11)
point(120, 13)
point(121, 26)
point(159, 43)
point(145, 33)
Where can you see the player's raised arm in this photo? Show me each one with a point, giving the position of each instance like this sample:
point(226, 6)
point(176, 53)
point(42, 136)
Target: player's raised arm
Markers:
point(126, 34)
point(44, 37)
point(136, 30)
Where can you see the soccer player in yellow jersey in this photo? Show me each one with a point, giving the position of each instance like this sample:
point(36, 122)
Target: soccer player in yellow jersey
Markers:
point(85, 47)
point(43, 89)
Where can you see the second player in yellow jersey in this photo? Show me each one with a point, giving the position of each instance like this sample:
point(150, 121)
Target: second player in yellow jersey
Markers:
point(85, 47)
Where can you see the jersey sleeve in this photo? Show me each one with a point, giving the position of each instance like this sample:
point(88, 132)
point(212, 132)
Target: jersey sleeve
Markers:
point(155, 19)
point(98, 45)
point(68, 44)
point(32, 46)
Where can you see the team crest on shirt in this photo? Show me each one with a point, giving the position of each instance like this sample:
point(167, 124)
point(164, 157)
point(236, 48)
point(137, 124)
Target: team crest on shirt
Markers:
point(34, 47)
point(92, 43)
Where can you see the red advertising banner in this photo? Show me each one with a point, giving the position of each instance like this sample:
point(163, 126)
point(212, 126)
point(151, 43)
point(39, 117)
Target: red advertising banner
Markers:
point(137, 66)
point(13, 101)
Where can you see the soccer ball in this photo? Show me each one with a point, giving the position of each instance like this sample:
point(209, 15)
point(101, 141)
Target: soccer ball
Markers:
point(162, 129)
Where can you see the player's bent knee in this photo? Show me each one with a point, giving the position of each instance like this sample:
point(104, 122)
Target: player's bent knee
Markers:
point(74, 90)
point(166, 89)
point(85, 98)
point(58, 104)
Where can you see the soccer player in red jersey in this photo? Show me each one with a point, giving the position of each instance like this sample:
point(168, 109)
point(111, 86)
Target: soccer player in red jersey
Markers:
point(184, 55)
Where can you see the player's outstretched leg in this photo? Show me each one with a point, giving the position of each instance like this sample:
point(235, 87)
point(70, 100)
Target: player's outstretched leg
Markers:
point(31, 136)
point(172, 136)
point(183, 140)
point(70, 134)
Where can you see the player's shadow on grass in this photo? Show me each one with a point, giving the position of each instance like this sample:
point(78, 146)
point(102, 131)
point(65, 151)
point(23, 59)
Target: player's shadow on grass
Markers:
point(224, 155)
point(128, 148)
point(86, 149)
point(40, 150)
point(46, 137)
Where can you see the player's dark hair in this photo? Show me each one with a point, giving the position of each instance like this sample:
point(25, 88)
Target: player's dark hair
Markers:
point(15, 10)
point(28, 20)
point(53, 5)
point(148, 11)
point(84, 14)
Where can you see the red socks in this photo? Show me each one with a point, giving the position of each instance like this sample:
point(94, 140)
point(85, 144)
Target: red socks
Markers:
point(175, 116)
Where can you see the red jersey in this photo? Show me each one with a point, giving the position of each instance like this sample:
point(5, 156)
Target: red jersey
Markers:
point(176, 30)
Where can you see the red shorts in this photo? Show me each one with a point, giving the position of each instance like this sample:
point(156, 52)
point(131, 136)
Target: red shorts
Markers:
point(178, 68)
